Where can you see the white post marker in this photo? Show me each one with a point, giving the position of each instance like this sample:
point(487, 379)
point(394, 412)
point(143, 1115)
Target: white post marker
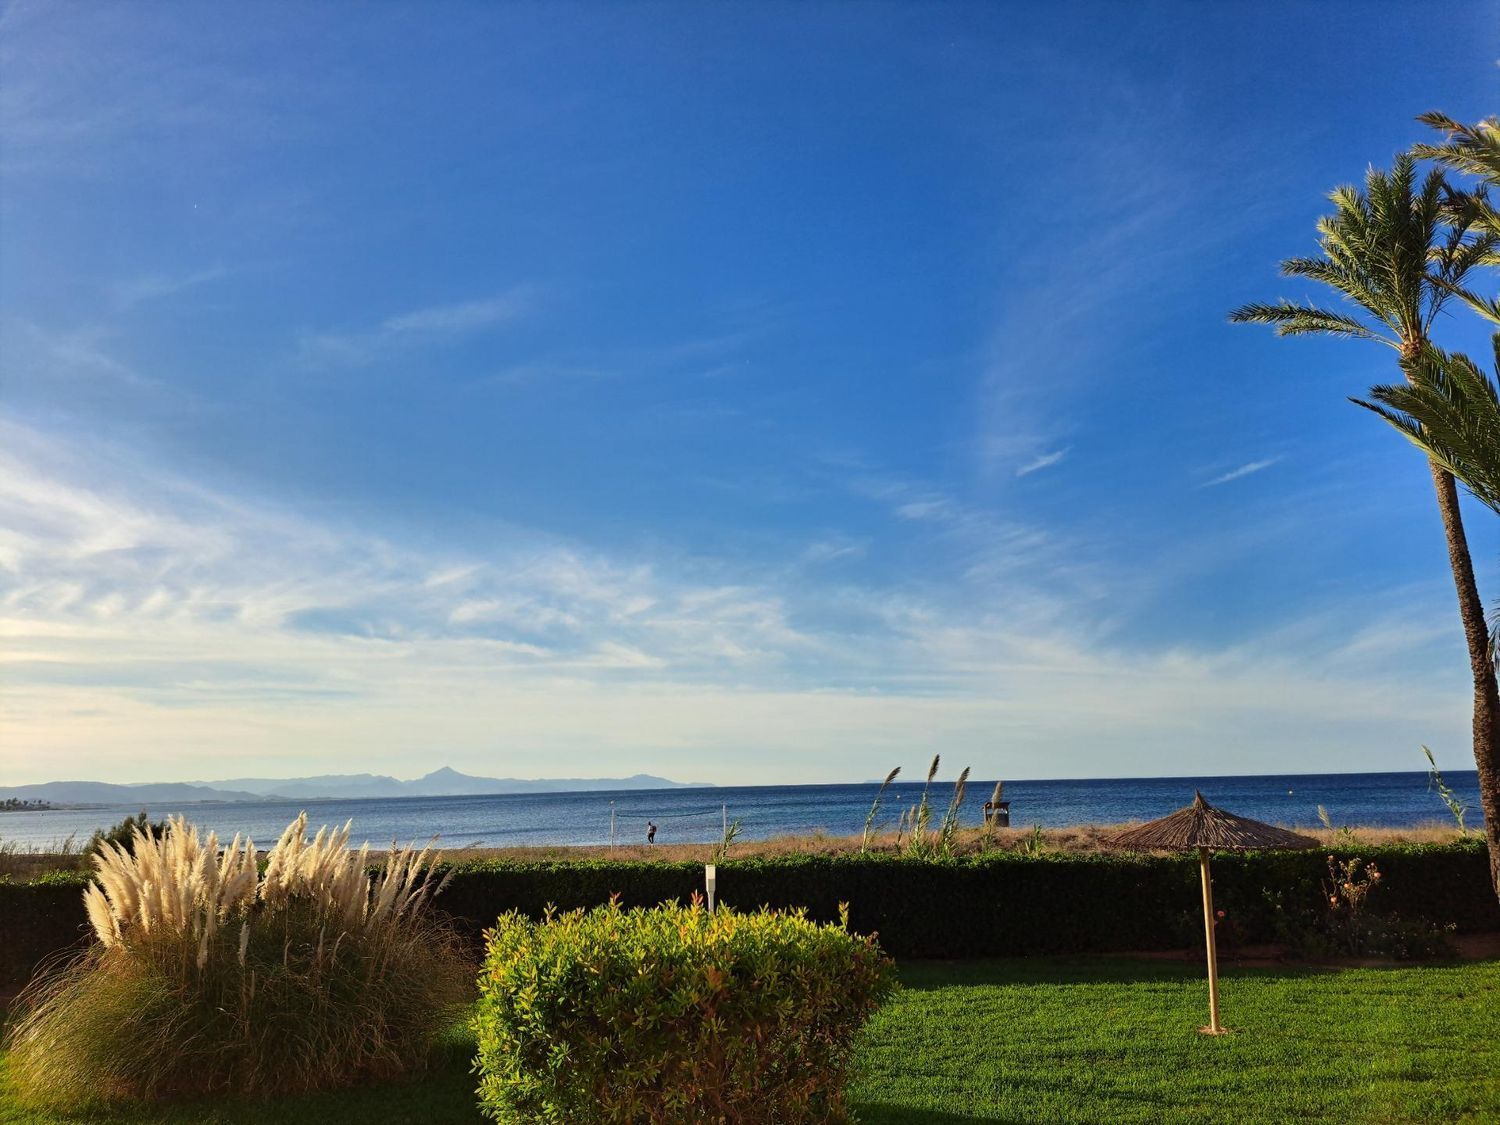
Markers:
point(611, 824)
point(710, 880)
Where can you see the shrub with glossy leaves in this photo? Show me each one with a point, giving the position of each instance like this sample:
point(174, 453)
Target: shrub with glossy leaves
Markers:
point(672, 1015)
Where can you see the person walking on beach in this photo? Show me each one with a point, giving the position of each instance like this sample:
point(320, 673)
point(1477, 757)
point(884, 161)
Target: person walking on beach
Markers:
point(650, 832)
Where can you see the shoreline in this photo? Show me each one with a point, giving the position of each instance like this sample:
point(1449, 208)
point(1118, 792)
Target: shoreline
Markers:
point(1083, 840)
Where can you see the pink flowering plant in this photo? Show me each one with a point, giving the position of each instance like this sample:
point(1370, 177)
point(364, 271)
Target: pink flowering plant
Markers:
point(1347, 921)
point(1349, 883)
point(1355, 930)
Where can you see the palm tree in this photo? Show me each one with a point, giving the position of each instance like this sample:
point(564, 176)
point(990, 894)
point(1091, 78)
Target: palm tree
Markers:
point(1475, 151)
point(1397, 256)
point(1451, 411)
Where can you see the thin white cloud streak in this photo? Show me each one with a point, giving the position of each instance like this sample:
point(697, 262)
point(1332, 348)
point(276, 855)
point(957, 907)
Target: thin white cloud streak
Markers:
point(126, 295)
point(1067, 309)
point(148, 78)
point(539, 372)
point(1045, 461)
point(835, 549)
point(1243, 471)
point(465, 316)
point(436, 324)
point(987, 551)
point(34, 353)
point(152, 624)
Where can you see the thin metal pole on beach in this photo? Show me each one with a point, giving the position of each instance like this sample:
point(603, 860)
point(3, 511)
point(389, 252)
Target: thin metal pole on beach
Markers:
point(611, 824)
point(726, 820)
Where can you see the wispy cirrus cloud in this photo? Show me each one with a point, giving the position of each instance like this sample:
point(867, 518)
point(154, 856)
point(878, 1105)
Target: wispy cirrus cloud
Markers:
point(1044, 461)
point(126, 295)
point(36, 353)
point(981, 545)
point(148, 616)
point(465, 316)
point(433, 324)
point(542, 371)
point(1244, 470)
point(146, 87)
point(834, 549)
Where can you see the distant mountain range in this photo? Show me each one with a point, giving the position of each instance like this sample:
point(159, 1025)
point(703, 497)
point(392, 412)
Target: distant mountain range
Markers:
point(443, 782)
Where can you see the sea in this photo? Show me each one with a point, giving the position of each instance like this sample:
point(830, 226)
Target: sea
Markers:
point(699, 815)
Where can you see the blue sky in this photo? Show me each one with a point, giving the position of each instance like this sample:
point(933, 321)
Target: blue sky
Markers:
point(747, 393)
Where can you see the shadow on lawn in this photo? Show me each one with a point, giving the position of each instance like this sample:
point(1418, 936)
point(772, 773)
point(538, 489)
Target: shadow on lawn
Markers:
point(921, 976)
point(881, 1113)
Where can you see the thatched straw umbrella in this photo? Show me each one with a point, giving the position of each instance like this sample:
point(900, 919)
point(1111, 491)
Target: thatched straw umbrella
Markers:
point(1206, 828)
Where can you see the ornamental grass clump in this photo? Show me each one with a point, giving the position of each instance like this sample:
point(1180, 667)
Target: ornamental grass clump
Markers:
point(673, 1016)
point(209, 978)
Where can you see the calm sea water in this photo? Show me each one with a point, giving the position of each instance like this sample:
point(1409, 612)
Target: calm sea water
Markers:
point(696, 815)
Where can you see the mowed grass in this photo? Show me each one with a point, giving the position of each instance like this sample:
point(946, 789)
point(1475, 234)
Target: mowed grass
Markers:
point(1088, 1040)
point(1117, 1041)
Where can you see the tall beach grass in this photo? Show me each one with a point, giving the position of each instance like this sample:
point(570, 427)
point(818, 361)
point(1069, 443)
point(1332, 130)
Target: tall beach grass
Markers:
point(210, 977)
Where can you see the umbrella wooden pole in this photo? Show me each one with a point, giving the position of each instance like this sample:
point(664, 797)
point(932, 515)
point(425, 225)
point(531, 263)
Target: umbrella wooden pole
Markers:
point(1204, 827)
point(1213, 1027)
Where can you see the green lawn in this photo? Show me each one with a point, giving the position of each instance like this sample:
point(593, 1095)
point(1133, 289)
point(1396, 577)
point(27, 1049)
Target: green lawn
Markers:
point(1052, 1040)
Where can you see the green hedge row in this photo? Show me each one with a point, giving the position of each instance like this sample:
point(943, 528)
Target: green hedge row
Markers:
point(1004, 904)
point(38, 919)
point(1000, 904)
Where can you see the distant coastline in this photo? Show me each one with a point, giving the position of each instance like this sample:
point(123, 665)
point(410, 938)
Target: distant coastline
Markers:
point(20, 804)
point(444, 782)
point(685, 814)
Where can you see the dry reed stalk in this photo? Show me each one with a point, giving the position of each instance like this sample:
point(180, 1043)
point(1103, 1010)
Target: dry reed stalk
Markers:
point(875, 807)
point(948, 828)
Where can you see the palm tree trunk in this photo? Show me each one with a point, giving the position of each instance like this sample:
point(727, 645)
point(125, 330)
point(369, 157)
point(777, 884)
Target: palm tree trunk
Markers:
point(1486, 697)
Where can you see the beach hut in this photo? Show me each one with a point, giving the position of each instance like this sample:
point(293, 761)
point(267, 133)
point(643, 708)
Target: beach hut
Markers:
point(1206, 828)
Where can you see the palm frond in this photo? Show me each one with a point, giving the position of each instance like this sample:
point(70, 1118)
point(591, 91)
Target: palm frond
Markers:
point(1462, 250)
point(1450, 410)
point(1292, 319)
point(1474, 209)
point(1487, 307)
point(1340, 271)
point(1471, 149)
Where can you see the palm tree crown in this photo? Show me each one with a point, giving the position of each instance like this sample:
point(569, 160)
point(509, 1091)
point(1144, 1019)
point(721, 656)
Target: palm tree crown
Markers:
point(1393, 252)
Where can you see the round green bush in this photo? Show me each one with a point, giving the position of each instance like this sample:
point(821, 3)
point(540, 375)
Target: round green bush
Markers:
point(672, 1015)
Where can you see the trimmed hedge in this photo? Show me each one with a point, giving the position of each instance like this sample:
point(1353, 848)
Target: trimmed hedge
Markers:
point(40, 918)
point(672, 1015)
point(994, 905)
point(1002, 904)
